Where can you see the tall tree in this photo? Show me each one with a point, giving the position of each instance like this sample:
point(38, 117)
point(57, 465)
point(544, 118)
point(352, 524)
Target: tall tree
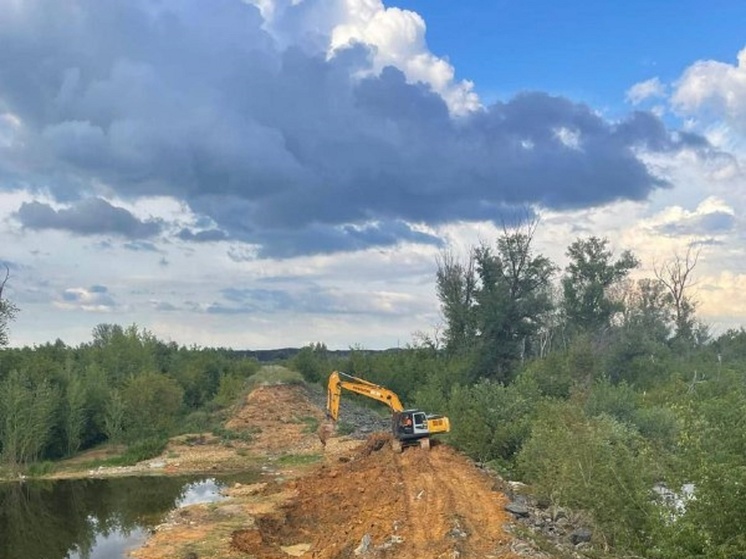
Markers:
point(7, 310)
point(456, 288)
point(513, 299)
point(26, 418)
point(676, 276)
point(496, 304)
point(589, 277)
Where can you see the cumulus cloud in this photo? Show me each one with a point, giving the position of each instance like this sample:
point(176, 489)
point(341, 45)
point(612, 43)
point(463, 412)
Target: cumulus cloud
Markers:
point(648, 89)
point(316, 127)
point(91, 216)
point(715, 87)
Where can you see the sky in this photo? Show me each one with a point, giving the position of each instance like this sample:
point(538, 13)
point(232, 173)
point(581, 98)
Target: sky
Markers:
point(268, 173)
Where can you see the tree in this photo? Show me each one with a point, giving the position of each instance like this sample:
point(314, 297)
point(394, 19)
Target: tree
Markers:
point(675, 276)
point(496, 304)
point(74, 411)
point(456, 288)
point(589, 277)
point(513, 299)
point(151, 402)
point(26, 418)
point(7, 310)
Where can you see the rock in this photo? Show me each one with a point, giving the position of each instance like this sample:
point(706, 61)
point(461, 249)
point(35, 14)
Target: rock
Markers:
point(581, 535)
point(296, 550)
point(558, 514)
point(391, 542)
point(364, 545)
point(517, 509)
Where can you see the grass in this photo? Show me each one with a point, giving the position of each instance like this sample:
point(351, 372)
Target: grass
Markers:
point(345, 428)
point(274, 374)
point(39, 469)
point(298, 459)
point(312, 424)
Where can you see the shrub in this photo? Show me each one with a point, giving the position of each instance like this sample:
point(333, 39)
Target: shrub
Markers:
point(594, 464)
point(274, 374)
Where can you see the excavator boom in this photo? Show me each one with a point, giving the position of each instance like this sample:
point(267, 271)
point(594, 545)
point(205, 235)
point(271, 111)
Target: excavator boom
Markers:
point(339, 381)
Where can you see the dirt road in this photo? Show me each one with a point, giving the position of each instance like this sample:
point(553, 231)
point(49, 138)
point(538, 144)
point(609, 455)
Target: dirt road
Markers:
point(359, 500)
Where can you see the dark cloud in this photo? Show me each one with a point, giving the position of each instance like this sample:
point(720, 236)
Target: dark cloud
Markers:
point(205, 236)
point(91, 216)
point(280, 147)
point(712, 223)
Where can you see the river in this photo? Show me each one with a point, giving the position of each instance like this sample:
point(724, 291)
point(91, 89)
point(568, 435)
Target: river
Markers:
point(94, 518)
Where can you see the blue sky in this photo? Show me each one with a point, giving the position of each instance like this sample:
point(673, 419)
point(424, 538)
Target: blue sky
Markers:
point(590, 51)
point(265, 173)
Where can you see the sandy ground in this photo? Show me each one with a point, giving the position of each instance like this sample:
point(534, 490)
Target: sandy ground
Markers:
point(341, 500)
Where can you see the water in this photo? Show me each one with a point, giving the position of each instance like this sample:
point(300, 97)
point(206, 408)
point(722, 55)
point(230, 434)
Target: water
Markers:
point(94, 518)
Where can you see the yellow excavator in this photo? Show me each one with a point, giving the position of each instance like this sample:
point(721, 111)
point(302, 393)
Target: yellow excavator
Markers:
point(409, 427)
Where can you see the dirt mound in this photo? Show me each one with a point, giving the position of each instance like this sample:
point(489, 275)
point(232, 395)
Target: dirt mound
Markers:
point(418, 504)
point(281, 419)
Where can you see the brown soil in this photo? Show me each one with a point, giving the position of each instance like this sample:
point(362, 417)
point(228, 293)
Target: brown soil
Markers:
point(417, 504)
point(359, 500)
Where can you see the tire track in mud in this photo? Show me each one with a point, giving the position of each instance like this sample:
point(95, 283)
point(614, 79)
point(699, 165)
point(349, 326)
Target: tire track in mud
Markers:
point(451, 508)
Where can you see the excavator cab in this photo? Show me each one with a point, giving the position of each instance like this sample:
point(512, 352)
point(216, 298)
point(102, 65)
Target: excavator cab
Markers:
point(410, 425)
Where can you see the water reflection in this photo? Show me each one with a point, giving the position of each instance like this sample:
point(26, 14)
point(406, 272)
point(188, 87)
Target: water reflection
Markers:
point(92, 518)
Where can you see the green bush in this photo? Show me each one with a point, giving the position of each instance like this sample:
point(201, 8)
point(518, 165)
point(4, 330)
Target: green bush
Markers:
point(199, 422)
point(144, 449)
point(658, 424)
point(598, 465)
point(616, 400)
point(231, 390)
point(491, 421)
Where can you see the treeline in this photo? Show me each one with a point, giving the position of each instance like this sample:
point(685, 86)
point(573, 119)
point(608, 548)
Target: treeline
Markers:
point(608, 396)
point(125, 386)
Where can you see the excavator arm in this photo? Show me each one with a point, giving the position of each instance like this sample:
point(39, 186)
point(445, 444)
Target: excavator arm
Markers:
point(339, 381)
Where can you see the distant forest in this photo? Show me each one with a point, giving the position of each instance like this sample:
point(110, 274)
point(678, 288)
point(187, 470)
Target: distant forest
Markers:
point(599, 391)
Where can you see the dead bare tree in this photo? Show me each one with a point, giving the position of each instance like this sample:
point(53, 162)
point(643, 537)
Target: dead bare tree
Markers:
point(676, 277)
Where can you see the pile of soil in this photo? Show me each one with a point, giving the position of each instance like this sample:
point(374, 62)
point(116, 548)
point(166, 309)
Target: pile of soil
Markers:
point(418, 504)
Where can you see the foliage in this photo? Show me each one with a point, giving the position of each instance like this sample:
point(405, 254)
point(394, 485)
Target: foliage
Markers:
point(123, 386)
point(152, 401)
point(26, 418)
point(7, 313)
point(496, 305)
point(491, 421)
point(589, 277)
point(143, 449)
point(312, 362)
point(593, 464)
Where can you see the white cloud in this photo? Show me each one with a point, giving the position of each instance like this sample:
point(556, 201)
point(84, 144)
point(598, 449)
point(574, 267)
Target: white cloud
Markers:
point(648, 89)
point(716, 88)
point(396, 35)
